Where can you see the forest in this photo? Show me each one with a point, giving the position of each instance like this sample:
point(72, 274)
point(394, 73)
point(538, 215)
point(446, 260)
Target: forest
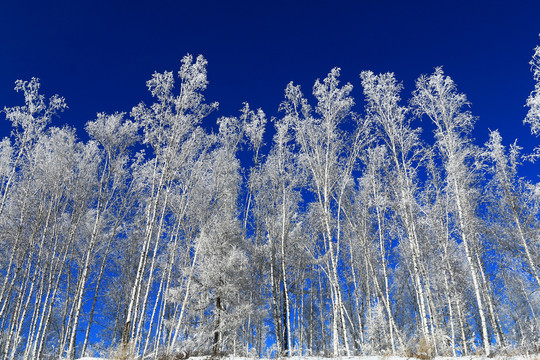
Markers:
point(339, 228)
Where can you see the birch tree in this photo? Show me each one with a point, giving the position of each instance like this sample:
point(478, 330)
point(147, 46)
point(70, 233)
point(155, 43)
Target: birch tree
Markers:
point(533, 101)
point(278, 185)
point(404, 149)
point(28, 122)
point(373, 206)
point(114, 135)
point(330, 157)
point(436, 97)
point(511, 192)
point(168, 125)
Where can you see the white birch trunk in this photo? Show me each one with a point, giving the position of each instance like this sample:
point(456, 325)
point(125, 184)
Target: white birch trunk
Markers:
point(385, 274)
point(151, 214)
point(138, 333)
point(186, 296)
point(82, 286)
point(287, 310)
point(476, 286)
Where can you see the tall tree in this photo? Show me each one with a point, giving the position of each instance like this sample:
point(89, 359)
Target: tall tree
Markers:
point(436, 96)
point(330, 157)
point(511, 199)
point(169, 127)
point(533, 101)
point(114, 136)
point(278, 196)
point(28, 122)
point(405, 151)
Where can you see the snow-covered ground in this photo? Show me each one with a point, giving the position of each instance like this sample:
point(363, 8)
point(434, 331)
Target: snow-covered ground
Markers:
point(520, 357)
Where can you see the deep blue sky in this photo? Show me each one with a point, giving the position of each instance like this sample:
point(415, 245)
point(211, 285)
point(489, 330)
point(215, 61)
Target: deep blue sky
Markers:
point(99, 54)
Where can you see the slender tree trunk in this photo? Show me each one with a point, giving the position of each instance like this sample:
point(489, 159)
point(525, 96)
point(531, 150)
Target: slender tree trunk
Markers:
point(384, 268)
point(186, 296)
point(462, 321)
point(217, 331)
point(138, 333)
point(57, 268)
point(286, 309)
point(168, 276)
point(451, 317)
point(275, 301)
point(301, 314)
point(486, 291)
point(159, 296)
point(465, 238)
point(96, 293)
point(151, 215)
point(81, 286)
point(355, 295)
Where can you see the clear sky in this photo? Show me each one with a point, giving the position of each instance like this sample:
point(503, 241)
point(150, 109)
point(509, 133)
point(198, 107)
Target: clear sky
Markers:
point(99, 54)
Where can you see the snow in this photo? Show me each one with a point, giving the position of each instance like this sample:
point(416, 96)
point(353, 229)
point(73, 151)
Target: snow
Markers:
point(517, 357)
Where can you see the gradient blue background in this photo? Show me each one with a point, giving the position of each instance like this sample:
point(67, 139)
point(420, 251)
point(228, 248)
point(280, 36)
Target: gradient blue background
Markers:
point(99, 54)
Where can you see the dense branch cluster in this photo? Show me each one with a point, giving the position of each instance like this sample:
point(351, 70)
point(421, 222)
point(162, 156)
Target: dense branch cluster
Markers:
point(348, 233)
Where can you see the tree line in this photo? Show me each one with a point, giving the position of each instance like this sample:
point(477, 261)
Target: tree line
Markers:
point(347, 233)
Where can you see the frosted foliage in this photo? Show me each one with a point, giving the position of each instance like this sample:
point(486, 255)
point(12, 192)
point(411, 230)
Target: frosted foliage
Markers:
point(437, 97)
point(533, 102)
point(495, 147)
point(381, 89)
point(334, 102)
point(382, 104)
point(255, 123)
point(6, 154)
point(230, 131)
point(112, 130)
point(172, 117)
point(376, 325)
point(497, 151)
point(34, 116)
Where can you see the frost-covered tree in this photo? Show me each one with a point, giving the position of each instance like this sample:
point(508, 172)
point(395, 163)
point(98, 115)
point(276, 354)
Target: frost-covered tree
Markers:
point(28, 122)
point(170, 126)
point(278, 183)
point(371, 219)
point(404, 151)
point(513, 199)
point(19, 182)
point(113, 135)
point(436, 96)
point(330, 156)
point(533, 101)
point(345, 235)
